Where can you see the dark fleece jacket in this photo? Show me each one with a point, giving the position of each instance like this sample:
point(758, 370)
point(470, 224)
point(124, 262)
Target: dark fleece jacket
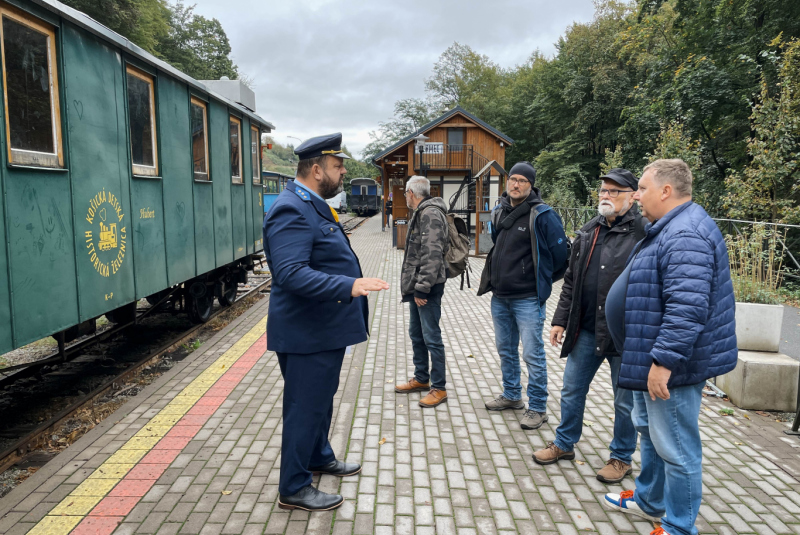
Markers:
point(513, 273)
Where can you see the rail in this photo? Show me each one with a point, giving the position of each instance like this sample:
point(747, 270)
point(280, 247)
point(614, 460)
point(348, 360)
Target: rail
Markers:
point(35, 438)
point(575, 218)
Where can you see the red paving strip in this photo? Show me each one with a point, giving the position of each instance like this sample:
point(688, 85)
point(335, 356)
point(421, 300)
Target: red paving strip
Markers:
point(112, 509)
point(97, 524)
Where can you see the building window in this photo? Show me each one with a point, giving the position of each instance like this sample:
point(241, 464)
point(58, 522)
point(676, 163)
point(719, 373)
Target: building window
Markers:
point(33, 117)
point(142, 121)
point(455, 138)
point(236, 153)
point(199, 140)
point(255, 153)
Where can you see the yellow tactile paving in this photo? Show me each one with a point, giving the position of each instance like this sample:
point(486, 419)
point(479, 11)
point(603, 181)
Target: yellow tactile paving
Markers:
point(76, 506)
point(94, 487)
point(141, 443)
point(123, 457)
point(153, 431)
point(112, 471)
point(56, 525)
point(67, 514)
point(164, 419)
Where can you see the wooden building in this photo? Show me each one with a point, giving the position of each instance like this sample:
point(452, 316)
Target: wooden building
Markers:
point(464, 159)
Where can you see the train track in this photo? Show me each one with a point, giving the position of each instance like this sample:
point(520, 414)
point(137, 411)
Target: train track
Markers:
point(38, 436)
point(352, 224)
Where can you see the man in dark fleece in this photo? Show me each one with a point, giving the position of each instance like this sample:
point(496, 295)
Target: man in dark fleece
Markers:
point(530, 252)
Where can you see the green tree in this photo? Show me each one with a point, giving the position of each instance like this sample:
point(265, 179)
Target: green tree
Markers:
point(409, 115)
point(191, 43)
point(197, 46)
point(768, 189)
point(144, 22)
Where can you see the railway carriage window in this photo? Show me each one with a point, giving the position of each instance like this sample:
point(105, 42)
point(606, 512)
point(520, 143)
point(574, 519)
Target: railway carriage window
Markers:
point(255, 149)
point(236, 153)
point(142, 117)
point(199, 140)
point(33, 123)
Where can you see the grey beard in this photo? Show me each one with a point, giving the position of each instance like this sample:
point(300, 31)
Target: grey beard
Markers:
point(607, 210)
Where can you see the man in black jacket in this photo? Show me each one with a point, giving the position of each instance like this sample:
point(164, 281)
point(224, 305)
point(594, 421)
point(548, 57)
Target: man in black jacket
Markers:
point(599, 254)
point(530, 251)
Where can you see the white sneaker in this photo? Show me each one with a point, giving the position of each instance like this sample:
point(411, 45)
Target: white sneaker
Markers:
point(624, 502)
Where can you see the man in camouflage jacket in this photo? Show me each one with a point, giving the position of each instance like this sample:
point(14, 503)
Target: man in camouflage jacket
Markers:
point(422, 286)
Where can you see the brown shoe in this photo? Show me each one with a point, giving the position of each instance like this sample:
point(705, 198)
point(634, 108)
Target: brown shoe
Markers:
point(412, 386)
point(552, 454)
point(434, 397)
point(614, 471)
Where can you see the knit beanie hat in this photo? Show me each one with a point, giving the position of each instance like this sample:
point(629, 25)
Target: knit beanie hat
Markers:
point(525, 169)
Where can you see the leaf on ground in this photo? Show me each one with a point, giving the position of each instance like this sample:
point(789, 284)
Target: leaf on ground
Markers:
point(588, 423)
point(399, 405)
point(227, 492)
point(726, 412)
point(389, 381)
point(580, 463)
point(739, 443)
point(382, 441)
point(746, 416)
point(470, 356)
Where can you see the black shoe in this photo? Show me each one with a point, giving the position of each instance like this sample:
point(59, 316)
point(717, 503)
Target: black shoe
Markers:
point(310, 499)
point(338, 468)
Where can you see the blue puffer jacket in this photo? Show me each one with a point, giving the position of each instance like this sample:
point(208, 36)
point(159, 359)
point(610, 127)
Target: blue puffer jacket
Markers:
point(679, 307)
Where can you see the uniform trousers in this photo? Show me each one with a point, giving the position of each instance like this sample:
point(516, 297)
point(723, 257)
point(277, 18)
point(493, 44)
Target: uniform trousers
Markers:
point(310, 382)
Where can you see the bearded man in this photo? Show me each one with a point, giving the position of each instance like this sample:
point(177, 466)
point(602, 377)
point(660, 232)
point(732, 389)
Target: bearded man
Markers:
point(599, 254)
point(318, 307)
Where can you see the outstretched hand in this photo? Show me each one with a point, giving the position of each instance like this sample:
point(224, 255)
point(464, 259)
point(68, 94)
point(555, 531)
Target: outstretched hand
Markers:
point(366, 285)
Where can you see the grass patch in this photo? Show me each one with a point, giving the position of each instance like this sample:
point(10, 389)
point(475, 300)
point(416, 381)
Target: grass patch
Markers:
point(192, 346)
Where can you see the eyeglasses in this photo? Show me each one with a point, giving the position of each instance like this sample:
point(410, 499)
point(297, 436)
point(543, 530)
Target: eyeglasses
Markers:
point(520, 181)
point(613, 193)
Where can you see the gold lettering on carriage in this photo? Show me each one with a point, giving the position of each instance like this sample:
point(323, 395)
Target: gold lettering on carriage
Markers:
point(146, 213)
point(107, 240)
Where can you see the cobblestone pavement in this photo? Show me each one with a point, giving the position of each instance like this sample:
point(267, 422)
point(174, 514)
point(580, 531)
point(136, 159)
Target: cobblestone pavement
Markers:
point(453, 469)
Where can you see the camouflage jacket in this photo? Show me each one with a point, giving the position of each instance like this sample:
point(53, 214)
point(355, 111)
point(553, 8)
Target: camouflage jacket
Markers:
point(426, 244)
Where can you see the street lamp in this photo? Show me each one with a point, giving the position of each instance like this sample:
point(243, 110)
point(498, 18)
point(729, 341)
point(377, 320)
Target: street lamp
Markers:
point(420, 140)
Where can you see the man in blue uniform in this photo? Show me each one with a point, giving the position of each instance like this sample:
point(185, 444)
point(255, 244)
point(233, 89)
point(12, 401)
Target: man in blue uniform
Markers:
point(318, 307)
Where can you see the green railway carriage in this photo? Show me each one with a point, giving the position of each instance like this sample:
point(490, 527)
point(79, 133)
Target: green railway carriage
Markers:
point(121, 178)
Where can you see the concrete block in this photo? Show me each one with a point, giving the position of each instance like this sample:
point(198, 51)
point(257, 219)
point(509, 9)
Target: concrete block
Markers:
point(762, 381)
point(758, 327)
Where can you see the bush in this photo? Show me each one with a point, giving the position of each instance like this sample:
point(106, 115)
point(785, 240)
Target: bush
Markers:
point(756, 260)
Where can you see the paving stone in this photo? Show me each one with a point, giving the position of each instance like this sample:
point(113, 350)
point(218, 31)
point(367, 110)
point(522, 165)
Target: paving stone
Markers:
point(454, 469)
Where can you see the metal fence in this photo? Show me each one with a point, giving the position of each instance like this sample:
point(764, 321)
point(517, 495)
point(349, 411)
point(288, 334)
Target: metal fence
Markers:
point(575, 218)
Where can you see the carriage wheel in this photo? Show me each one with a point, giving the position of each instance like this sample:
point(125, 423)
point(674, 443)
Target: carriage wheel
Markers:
point(229, 289)
point(199, 302)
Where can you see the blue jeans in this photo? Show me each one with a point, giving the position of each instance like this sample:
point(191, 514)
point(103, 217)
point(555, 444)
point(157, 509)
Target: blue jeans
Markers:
point(582, 366)
point(516, 319)
point(671, 479)
point(426, 337)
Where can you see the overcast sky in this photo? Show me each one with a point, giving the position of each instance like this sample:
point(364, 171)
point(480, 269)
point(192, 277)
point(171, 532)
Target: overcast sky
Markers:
point(322, 66)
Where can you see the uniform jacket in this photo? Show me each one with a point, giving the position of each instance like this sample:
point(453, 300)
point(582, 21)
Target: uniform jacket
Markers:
point(426, 244)
point(550, 249)
point(617, 246)
point(679, 306)
point(313, 270)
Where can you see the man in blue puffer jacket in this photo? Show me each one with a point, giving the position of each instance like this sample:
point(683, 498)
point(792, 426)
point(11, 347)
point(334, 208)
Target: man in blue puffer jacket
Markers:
point(671, 314)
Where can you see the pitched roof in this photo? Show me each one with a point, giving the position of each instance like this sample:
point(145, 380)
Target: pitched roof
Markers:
point(438, 121)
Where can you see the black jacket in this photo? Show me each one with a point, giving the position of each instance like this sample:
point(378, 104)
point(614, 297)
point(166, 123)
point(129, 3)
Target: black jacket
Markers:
point(617, 246)
point(512, 272)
